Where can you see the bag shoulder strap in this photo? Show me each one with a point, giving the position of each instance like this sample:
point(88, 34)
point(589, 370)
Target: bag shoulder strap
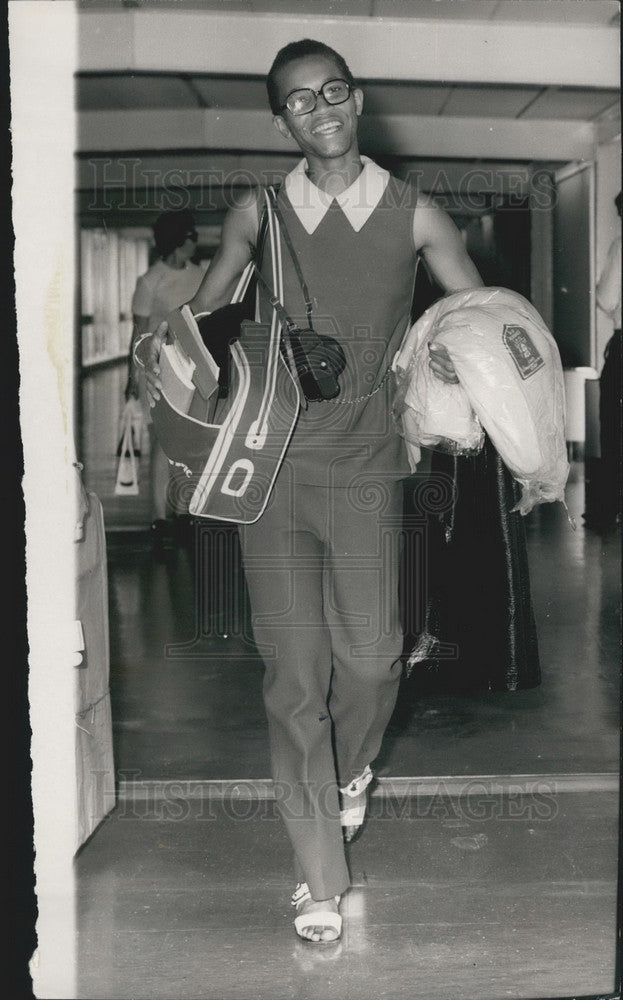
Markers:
point(293, 254)
point(258, 250)
point(257, 254)
point(264, 229)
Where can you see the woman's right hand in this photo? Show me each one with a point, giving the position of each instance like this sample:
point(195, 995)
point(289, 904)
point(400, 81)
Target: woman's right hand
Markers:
point(131, 388)
point(149, 356)
point(441, 364)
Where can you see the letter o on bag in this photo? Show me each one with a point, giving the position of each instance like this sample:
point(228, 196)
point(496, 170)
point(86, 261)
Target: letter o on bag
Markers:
point(244, 466)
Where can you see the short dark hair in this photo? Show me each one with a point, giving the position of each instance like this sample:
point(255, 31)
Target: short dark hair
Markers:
point(171, 230)
point(298, 50)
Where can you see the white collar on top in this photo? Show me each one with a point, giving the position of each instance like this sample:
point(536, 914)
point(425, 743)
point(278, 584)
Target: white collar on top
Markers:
point(358, 201)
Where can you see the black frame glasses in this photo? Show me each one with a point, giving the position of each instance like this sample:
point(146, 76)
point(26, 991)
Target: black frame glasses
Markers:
point(315, 94)
point(193, 235)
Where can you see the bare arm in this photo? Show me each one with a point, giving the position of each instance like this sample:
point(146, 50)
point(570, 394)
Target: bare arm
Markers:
point(439, 241)
point(609, 284)
point(234, 253)
point(216, 289)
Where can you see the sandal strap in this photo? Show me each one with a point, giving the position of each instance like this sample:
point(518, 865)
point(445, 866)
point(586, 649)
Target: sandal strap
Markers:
point(301, 894)
point(353, 816)
point(357, 785)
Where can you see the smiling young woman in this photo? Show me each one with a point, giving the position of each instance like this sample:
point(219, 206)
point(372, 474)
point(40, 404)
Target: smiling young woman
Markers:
point(326, 133)
point(322, 562)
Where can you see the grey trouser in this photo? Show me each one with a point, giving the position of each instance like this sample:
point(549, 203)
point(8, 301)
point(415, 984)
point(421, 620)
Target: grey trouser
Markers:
point(322, 572)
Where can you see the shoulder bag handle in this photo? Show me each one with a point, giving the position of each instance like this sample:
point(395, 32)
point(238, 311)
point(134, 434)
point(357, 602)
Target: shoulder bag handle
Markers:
point(297, 267)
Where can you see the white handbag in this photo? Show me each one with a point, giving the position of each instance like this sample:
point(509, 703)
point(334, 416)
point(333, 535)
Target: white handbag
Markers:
point(126, 481)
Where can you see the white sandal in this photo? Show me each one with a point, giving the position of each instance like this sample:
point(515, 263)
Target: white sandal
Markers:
point(355, 815)
point(319, 918)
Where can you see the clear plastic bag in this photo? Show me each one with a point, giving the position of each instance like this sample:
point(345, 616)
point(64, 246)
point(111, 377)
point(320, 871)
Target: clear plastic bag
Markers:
point(510, 376)
point(430, 413)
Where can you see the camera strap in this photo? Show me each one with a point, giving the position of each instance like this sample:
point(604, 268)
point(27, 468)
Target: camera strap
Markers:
point(287, 323)
point(289, 326)
point(297, 267)
point(305, 350)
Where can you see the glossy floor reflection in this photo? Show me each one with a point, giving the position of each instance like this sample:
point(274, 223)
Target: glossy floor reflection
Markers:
point(186, 679)
point(466, 898)
point(466, 892)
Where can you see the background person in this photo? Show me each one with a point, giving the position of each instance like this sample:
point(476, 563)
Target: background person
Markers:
point(170, 282)
point(607, 505)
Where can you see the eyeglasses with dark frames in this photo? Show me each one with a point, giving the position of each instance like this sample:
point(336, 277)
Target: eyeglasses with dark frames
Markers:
point(304, 100)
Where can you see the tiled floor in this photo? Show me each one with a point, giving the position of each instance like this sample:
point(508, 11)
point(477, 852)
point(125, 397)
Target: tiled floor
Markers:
point(458, 899)
point(463, 892)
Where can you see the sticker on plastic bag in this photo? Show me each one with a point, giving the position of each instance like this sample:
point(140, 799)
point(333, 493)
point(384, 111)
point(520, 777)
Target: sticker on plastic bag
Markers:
point(522, 350)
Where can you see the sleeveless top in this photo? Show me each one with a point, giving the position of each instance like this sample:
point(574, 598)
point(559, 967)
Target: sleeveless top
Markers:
point(361, 285)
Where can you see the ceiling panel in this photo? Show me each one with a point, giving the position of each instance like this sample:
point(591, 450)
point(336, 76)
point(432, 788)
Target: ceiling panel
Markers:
point(128, 91)
point(232, 92)
point(489, 102)
point(403, 99)
point(473, 10)
point(598, 12)
point(319, 8)
point(569, 103)
point(558, 11)
point(108, 91)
